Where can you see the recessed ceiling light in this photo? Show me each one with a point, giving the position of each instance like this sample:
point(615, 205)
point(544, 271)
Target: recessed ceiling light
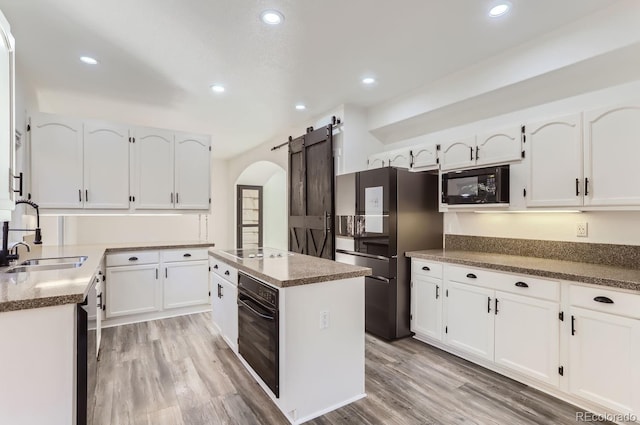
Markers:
point(300, 107)
point(272, 17)
point(368, 80)
point(218, 88)
point(499, 10)
point(89, 60)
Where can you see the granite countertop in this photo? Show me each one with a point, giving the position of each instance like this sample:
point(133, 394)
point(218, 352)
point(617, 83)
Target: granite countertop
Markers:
point(34, 289)
point(597, 274)
point(292, 270)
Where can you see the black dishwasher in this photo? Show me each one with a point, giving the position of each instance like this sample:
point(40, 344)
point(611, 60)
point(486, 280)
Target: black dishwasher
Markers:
point(258, 329)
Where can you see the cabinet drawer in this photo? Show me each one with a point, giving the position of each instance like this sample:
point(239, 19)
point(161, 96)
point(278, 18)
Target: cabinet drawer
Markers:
point(132, 258)
point(224, 270)
point(605, 300)
point(422, 268)
point(472, 276)
point(185, 254)
point(528, 286)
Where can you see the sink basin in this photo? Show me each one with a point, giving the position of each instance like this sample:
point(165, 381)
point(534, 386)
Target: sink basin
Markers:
point(42, 264)
point(54, 261)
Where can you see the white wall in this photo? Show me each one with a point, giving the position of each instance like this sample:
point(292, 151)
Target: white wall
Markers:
point(274, 194)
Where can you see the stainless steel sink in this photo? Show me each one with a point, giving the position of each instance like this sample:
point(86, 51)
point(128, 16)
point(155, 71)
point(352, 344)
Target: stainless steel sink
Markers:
point(54, 261)
point(42, 264)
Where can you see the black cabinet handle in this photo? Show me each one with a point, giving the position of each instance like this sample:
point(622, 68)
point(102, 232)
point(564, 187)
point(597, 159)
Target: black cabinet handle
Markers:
point(471, 276)
point(586, 186)
point(79, 195)
point(488, 304)
point(172, 197)
point(573, 325)
point(133, 258)
point(156, 274)
point(522, 285)
point(426, 269)
point(20, 178)
point(215, 266)
point(605, 300)
point(166, 272)
point(471, 152)
point(187, 255)
point(495, 310)
point(437, 292)
point(219, 291)
point(86, 195)
point(177, 198)
point(577, 187)
point(226, 273)
point(99, 301)
point(477, 152)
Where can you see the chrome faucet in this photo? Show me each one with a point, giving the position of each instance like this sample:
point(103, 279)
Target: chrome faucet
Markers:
point(5, 255)
point(14, 247)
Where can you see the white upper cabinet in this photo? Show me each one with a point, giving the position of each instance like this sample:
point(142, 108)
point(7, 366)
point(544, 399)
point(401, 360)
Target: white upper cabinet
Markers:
point(554, 154)
point(153, 187)
point(7, 118)
point(499, 147)
point(192, 171)
point(400, 158)
point(458, 154)
point(611, 152)
point(425, 157)
point(106, 166)
point(378, 160)
point(56, 161)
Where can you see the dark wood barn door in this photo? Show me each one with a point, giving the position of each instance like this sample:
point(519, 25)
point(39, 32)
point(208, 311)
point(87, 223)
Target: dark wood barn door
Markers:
point(311, 197)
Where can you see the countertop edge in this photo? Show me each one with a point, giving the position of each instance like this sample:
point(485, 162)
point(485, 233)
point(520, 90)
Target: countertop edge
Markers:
point(601, 281)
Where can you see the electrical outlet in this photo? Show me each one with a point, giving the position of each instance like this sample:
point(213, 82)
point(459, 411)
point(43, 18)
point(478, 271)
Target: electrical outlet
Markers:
point(324, 319)
point(582, 230)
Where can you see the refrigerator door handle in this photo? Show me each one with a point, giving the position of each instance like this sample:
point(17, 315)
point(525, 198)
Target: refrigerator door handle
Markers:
point(380, 278)
point(361, 254)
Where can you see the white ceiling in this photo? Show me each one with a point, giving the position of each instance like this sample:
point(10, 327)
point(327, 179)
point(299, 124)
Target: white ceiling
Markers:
point(167, 53)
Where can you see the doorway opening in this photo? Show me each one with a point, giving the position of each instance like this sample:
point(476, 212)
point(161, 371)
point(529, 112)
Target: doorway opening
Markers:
point(249, 217)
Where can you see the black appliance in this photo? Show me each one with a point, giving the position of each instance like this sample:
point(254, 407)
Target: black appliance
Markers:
point(478, 186)
point(258, 329)
point(86, 364)
point(380, 215)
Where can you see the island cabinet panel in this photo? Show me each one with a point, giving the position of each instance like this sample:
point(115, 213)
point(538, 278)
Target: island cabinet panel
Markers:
point(106, 166)
point(133, 290)
point(554, 154)
point(224, 307)
point(56, 161)
point(153, 171)
point(611, 152)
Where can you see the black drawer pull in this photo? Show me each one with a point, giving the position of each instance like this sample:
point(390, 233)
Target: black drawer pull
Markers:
point(133, 258)
point(426, 269)
point(215, 266)
point(522, 285)
point(488, 304)
point(187, 255)
point(605, 300)
point(227, 273)
point(471, 276)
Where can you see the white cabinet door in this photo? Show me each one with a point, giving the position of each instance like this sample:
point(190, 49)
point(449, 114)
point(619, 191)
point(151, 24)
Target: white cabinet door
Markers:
point(611, 152)
point(186, 283)
point(470, 318)
point(554, 153)
point(527, 336)
point(217, 306)
point(229, 300)
point(377, 161)
point(106, 165)
point(457, 154)
point(426, 307)
point(498, 147)
point(400, 158)
point(7, 119)
point(425, 157)
point(56, 161)
point(133, 289)
point(153, 169)
point(603, 359)
point(192, 172)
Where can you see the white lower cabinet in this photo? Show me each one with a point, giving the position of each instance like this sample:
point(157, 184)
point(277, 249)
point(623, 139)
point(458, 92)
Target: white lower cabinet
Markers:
point(225, 309)
point(470, 318)
point(426, 307)
point(186, 284)
point(527, 336)
point(133, 290)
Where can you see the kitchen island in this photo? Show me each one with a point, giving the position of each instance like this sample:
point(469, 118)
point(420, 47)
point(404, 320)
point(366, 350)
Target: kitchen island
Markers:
point(316, 361)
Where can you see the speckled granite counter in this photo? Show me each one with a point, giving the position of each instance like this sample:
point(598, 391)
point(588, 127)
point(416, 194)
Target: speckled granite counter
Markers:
point(597, 274)
point(34, 289)
point(292, 270)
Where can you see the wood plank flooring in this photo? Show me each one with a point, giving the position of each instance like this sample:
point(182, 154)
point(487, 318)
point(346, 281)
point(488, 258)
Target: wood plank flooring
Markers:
point(179, 371)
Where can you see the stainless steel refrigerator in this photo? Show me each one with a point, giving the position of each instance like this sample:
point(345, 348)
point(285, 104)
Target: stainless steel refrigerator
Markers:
point(380, 215)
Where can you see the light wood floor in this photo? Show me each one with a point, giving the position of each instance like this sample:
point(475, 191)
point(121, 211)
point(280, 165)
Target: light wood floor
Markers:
point(179, 371)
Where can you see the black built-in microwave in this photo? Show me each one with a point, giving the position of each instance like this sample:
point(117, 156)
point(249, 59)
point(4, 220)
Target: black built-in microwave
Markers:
point(488, 185)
